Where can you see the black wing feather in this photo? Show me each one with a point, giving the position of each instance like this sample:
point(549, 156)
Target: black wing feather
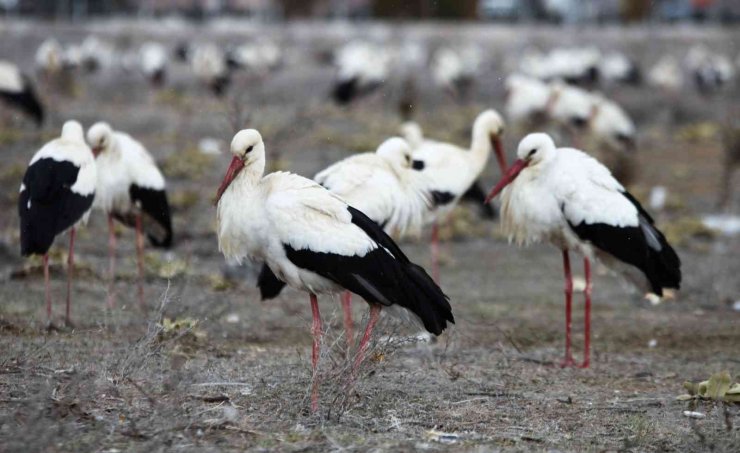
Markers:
point(643, 246)
point(383, 276)
point(156, 209)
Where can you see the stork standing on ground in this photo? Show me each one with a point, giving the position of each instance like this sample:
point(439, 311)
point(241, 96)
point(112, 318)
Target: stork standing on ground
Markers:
point(569, 198)
point(615, 134)
point(56, 194)
point(314, 241)
point(209, 66)
point(451, 170)
point(385, 188)
point(130, 189)
point(455, 70)
point(16, 90)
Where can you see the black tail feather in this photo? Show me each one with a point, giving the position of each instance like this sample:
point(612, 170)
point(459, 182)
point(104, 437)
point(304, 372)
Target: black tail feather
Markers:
point(270, 286)
point(477, 195)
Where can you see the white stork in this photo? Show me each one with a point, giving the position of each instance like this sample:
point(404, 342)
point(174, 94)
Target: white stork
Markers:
point(569, 198)
point(153, 61)
point(614, 133)
point(455, 70)
point(49, 57)
point(385, 188)
point(209, 66)
point(361, 68)
point(130, 189)
point(571, 108)
point(17, 90)
point(314, 241)
point(528, 101)
point(451, 170)
point(616, 67)
point(56, 195)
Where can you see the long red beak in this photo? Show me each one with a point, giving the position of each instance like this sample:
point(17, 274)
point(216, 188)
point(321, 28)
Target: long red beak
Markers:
point(510, 175)
point(234, 169)
point(498, 148)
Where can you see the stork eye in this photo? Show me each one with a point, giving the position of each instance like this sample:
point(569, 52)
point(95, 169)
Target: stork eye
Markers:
point(531, 152)
point(249, 149)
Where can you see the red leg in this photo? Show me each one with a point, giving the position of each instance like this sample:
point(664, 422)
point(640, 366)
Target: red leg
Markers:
point(374, 315)
point(347, 308)
point(568, 361)
point(316, 333)
point(587, 315)
point(70, 273)
point(47, 293)
point(140, 258)
point(111, 262)
point(435, 252)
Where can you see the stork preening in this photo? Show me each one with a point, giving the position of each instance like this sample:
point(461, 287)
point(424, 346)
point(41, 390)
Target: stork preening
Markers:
point(475, 194)
point(564, 196)
point(385, 188)
point(56, 195)
point(451, 170)
point(361, 68)
point(131, 190)
point(17, 91)
point(315, 242)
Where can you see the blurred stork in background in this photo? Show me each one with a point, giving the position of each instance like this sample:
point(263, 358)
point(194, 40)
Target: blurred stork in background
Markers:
point(361, 68)
point(455, 70)
point(17, 91)
point(153, 62)
point(209, 66)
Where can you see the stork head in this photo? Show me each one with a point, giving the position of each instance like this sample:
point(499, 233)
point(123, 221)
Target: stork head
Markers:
point(533, 150)
point(99, 137)
point(248, 148)
point(489, 125)
point(72, 130)
point(397, 151)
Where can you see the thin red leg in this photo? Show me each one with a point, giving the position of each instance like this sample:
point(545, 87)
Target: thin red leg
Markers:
point(140, 258)
point(347, 308)
point(435, 252)
point(316, 333)
point(374, 315)
point(568, 361)
point(47, 293)
point(111, 262)
point(70, 274)
point(587, 315)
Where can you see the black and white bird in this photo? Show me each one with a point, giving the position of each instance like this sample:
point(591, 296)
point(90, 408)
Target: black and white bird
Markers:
point(208, 63)
point(153, 62)
point(315, 242)
point(455, 70)
point(130, 189)
point(566, 197)
point(56, 195)
point(617, 68)
point(451, 170)
point(361, 68)
point(17, 90)
point(385, 188)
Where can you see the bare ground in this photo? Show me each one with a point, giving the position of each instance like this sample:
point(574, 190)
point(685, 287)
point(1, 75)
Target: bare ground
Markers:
point(239, 378)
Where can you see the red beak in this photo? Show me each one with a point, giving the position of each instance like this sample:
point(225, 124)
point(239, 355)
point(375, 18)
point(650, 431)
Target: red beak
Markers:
point(498, 147)
point(510, 175)
point(96, 150)
point(234, 169)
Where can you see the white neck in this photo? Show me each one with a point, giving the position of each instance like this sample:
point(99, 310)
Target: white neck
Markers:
point(480, 147)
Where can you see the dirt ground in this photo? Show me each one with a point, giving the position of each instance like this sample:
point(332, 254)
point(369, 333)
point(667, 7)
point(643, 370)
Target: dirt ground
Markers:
point(206, 366)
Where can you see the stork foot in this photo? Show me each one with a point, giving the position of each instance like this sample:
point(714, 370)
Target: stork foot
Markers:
point(585, 364)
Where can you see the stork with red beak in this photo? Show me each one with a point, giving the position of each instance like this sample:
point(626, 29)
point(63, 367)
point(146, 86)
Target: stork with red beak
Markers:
point(314, 241)
point(568, 198)
point(452, 170)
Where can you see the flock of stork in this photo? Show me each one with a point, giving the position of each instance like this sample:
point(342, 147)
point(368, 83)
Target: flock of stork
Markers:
point(334, 233)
